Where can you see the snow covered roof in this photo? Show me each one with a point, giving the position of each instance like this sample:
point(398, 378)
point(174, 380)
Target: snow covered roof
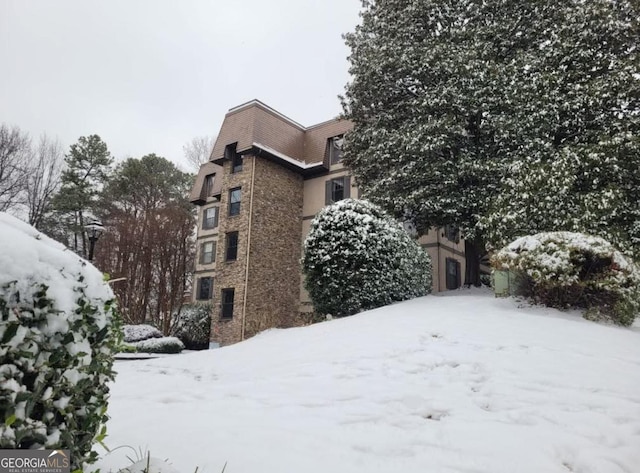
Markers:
point(288, 161)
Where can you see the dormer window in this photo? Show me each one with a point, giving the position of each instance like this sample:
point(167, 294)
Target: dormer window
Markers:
point(232, 155)
point(236, 163)
point(208, 184)
point(335, 149)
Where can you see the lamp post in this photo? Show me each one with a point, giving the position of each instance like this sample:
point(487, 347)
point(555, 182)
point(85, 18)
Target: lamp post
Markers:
point(94, 230)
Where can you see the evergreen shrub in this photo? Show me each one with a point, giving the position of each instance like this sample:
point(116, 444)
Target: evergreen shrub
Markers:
point(356, 257)
point(136, 333)
point(192, 325)
point(58, 333)
point(573, 270)
point(159, 345)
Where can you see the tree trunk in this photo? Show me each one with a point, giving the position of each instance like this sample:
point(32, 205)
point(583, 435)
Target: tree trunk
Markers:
point(473, 253)
point(82, 234)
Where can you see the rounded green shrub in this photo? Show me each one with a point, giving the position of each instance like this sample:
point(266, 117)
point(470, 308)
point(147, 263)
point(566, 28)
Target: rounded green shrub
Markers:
point(356, 257)
point(573, 270)
point(192, 325)
point(136, 333)
point(58, 333)
point(158, 345)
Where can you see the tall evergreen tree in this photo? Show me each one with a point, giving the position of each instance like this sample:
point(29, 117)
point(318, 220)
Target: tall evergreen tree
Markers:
point(424, 102)
point(449, 97)
point(578, 115)
point(87, 170)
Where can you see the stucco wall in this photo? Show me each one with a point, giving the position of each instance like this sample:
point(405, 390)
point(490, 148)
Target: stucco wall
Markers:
point(440, 248)
point(314, 190)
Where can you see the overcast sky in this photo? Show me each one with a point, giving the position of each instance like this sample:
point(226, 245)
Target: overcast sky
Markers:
point(149, 75)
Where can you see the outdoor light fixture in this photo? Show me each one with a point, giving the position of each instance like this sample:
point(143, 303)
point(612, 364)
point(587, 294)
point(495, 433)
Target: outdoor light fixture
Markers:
point(94, 230)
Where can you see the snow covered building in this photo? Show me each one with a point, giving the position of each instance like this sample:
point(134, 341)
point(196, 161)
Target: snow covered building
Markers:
point(267, 178)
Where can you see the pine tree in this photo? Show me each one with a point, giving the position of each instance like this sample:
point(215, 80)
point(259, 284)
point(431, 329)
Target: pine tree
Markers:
point(87, 170)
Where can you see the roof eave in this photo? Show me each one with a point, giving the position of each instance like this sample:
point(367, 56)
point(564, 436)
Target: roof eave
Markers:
point(299, 167)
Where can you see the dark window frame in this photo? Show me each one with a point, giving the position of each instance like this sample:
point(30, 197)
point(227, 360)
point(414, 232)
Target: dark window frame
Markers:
point(199, 289)
point(232, 155)
point(231, 246)
point(234, 206)
point(331, 189)
point(335, 149)
point(452, 233)
point(203, 253)
point(453, 279)
point(209, 181)
point(227, 296)
point(205, 220)
point(236, 163)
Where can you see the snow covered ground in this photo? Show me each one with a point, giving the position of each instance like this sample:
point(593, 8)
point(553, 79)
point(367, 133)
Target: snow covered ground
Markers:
point(460, 382)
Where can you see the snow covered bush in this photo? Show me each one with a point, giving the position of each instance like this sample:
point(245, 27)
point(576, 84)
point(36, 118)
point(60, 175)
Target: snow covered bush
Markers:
point(356, 257)
point(192, 325)
point(136, 333)
point(148, 339)
point(158, 345)
point(58, 332)
point(573, 270)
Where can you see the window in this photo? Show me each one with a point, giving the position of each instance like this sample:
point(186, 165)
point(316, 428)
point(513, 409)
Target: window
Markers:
point(205, 288)
point(235, 158)
point(337, 189)
point(232, 246)
point(227, 303)
point(453, 273)
point(208, 252)
point(208, 183)
point(235, 196)
point(236, 163)
point(452, 233)
point(335, 149)
point(210, 218)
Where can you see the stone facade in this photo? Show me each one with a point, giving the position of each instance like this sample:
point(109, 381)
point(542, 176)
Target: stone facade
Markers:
point(267, 261)
point(274, 261)
point(231, 274)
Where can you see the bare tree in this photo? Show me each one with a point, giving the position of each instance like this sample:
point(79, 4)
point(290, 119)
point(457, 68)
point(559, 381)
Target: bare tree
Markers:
point(150, 238)
point(44, 170)
point(198, 151)
point(14, 152)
